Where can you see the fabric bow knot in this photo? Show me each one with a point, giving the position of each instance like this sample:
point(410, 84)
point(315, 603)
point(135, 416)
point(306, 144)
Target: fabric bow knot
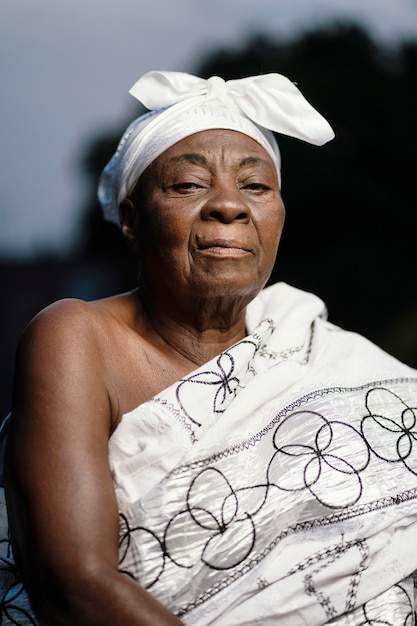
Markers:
point(217, 88)
point(270, 100)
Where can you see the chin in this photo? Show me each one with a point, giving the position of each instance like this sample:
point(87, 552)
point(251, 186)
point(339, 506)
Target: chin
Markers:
point(230, 289)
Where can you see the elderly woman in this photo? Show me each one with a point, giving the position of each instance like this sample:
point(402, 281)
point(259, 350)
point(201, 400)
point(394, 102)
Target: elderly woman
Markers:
point(200, 450)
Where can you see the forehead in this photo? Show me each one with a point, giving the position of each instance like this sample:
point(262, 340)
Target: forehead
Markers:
point(217, 143)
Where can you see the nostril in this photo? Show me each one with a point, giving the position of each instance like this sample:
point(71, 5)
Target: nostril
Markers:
point(225, 216)
point(216, 215)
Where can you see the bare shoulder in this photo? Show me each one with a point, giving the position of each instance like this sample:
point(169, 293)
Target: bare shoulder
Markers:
point(70, 321)
point(77, 313)
point(82, 358)
point(56, 333)
point(65, 357)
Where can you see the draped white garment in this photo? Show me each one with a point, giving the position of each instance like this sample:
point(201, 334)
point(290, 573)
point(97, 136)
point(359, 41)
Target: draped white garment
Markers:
point(277, 483)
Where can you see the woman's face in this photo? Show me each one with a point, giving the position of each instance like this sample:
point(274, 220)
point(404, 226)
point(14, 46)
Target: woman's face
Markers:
point(210, 216)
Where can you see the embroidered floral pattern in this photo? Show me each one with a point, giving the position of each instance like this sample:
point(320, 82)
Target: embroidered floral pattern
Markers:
point(14, 603)
point(390, 428)
point(225, 378)
point(225, 522)
point(225, 382)
point(328, 462)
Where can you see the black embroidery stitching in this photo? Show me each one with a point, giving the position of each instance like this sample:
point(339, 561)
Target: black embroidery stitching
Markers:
point(285, 355)
point(252, 441)
point(248, 560)
point(9, 608)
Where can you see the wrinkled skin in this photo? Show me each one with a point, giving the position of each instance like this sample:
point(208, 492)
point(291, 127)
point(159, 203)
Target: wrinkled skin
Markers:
point(209, 216)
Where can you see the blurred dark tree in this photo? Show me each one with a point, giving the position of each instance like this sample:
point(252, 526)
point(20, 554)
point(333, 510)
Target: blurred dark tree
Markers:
point(351, 208)
point(101, 239)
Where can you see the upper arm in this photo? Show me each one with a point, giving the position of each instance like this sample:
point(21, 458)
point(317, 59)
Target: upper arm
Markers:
point(62, 507)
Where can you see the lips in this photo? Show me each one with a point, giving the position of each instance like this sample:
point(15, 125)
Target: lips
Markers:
point(225, 245)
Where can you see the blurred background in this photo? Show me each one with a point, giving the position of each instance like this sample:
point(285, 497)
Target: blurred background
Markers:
point(65, 71)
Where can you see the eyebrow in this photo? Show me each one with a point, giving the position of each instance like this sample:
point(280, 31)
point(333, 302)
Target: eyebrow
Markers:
point(191, 157)
point(194, 157)
point(253, 161)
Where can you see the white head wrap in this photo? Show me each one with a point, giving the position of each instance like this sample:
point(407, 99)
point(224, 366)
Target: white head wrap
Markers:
point(181, 105)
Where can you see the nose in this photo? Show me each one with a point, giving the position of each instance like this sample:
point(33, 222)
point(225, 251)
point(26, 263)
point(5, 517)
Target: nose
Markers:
point(226, 204)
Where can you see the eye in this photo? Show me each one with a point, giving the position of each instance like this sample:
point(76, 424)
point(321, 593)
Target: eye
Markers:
point(257, 187)
point(186, 186)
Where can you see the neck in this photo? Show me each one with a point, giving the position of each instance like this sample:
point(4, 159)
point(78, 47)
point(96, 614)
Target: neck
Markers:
point(199, 329)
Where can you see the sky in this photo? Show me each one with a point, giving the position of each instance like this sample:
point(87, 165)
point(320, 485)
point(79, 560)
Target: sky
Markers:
point(66, 68)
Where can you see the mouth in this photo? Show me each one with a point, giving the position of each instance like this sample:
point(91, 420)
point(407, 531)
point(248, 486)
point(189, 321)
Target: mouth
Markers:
point(222, 247)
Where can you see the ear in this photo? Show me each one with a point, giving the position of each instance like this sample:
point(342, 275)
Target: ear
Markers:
point(128, 215)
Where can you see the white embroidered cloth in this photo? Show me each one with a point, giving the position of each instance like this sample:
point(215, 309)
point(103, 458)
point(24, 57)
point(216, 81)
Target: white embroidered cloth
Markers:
point(278, 482)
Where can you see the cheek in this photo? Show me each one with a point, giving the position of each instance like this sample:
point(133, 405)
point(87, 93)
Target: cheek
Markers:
point(165, 233)
point(272, 228)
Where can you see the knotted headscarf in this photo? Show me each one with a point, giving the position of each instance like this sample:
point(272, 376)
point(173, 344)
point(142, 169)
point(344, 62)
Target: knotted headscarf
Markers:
point(181, 104)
